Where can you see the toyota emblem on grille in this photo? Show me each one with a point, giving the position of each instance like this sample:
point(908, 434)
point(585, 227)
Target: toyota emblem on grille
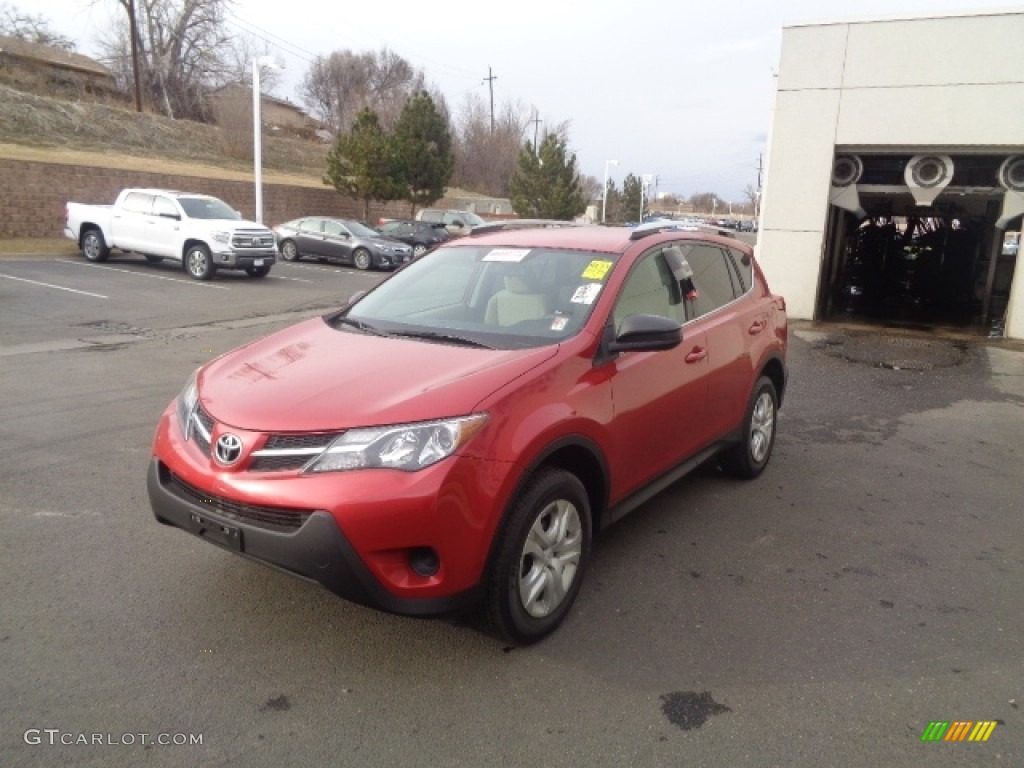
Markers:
point(228, 449)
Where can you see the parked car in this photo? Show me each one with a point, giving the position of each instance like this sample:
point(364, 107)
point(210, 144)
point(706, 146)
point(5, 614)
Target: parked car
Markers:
point(203, 233)
point(458, 434)
point(344, 240)
point(456, 222)
point(421, 235)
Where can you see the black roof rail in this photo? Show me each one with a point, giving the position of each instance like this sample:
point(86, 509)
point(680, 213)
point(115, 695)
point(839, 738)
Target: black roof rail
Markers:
point(500, 226)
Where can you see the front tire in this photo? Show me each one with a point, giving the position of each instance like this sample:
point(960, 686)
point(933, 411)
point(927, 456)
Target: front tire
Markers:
point(362, 259)
point(542, 550)
point(289, 252)
point(198, 262)
point(94, 247)
point(748, 458)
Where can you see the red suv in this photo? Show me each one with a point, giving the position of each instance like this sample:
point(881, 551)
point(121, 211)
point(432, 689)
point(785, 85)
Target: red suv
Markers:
point(460, 433)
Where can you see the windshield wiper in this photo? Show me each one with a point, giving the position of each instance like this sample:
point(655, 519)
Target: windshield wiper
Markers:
point(359, 324)
point(448, 337)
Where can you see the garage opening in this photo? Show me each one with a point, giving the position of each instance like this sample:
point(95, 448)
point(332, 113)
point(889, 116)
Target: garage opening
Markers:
point(922, 240)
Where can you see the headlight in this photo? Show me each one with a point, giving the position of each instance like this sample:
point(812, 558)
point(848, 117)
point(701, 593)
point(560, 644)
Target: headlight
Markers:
point(222, 237)
point(409, 447)
point(188, 400)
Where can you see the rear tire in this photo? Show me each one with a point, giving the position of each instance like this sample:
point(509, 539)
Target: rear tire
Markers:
point(94, 247)
point(199, 262)
point(748, 458)
point(288, 251)
point(542, 549)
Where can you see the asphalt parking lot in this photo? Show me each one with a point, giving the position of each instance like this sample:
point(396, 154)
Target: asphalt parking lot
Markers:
point(868, 584)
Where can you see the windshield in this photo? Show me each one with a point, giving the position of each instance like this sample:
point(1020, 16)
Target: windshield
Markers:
point(361, 230)
point(207, 208)
point(505, 298)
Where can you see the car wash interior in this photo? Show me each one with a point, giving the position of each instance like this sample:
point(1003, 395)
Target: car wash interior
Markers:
point(922, 240)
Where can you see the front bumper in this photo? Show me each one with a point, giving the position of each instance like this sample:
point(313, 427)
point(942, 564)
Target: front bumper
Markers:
point(234, 259)
point(318, 550)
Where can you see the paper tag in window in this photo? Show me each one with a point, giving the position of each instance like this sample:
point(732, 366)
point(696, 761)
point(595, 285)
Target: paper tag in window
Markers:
point(586, 294)
point(596, 270)
point(506, 254)
point(559, 323)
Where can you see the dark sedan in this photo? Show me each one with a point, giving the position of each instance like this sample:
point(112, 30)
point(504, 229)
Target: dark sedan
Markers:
point(423, 236)
point(344, 240)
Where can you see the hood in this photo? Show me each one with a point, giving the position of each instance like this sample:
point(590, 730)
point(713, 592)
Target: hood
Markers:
point(311, 377)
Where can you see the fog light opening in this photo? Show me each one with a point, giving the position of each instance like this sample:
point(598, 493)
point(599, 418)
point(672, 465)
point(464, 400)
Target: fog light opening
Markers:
point(424, 561)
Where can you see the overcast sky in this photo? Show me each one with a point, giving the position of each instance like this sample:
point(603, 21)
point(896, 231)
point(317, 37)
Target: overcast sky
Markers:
point(679, 90)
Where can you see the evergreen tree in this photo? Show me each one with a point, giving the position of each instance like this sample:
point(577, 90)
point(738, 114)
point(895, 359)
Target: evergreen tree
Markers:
point(423, 146)
point(632, 192)
point(546, 184)
point(362, 164)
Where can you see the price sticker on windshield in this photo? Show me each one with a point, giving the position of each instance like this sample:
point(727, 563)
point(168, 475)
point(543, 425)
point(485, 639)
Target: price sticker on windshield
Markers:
point(586, 294)
point(507, 254)
point(596, 270)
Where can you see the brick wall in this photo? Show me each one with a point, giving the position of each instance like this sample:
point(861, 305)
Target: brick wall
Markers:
point(32, 196)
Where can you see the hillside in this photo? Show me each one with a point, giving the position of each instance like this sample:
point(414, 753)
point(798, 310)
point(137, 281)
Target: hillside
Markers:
point(37, 127)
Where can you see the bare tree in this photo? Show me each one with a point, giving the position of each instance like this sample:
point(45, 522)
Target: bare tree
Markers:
point(338, 87)
point(486, 160)
point(182, 52)
point(31, 28)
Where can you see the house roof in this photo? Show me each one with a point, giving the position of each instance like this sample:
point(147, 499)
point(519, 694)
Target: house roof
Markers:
point(265, 97)
point(48, 54)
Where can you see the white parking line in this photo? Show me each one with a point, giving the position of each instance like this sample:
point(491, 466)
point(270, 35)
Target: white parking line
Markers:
point(293, 279)
point(57, 287)
point(320, 268)
point(141, 274)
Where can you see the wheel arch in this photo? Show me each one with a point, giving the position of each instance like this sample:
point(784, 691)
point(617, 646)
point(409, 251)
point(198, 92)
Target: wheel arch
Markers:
point(88, 226)
point(189, 242)
point(775, 370)
point(581, 457)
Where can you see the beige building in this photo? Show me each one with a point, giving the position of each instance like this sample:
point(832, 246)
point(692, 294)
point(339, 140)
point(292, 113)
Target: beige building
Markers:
point(895, 170)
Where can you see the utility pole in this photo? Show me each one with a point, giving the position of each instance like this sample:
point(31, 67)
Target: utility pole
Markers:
point(536, 122)
point(133, 30)
point(491, 77)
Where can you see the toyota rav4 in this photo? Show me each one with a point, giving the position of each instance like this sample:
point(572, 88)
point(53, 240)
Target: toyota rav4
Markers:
point(460, 434)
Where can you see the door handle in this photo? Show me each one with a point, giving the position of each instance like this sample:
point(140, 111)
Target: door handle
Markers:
point(757, 327)
point(696, 355)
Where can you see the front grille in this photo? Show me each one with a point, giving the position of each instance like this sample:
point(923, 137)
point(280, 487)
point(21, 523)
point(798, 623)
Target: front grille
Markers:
point(202, 436)
point(287, 452)
point(270, 518)
point(246, 238)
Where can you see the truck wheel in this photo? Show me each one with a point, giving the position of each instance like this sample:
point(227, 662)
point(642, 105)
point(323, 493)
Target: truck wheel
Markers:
point(94, 246)
point(362, 259)
point(198, 262)
point(543, 548)
point(257, 271)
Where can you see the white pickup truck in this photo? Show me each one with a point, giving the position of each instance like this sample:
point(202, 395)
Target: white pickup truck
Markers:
point(203, 233)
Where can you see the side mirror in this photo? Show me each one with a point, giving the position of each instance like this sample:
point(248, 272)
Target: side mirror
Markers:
point(355, 297)
point(646, 333)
